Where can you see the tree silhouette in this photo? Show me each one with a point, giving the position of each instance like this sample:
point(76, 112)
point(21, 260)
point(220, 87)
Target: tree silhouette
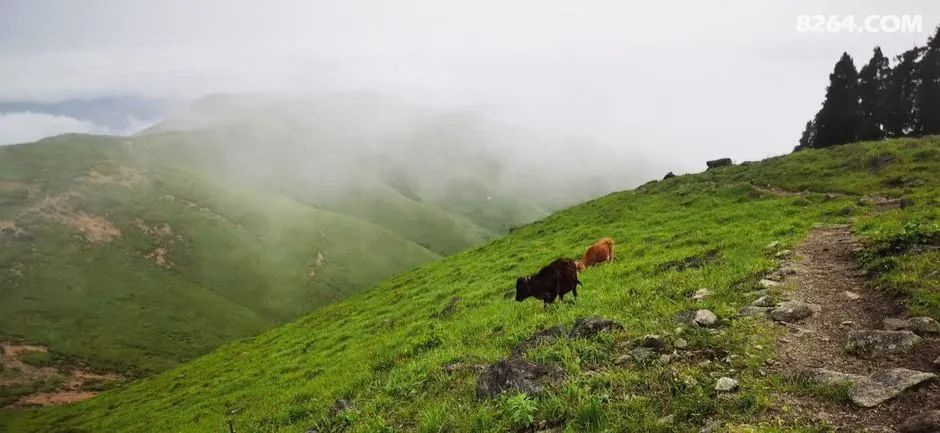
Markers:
point(872, 82)
point(899, 95)
point(927, 99)
point(838, 120)
point(808, 137)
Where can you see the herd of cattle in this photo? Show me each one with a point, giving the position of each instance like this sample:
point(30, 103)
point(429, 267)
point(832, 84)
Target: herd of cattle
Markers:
point(561, 276)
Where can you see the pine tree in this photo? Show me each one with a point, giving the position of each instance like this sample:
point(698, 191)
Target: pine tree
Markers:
point(927, 99)
point(872, 82)
point(838, 120)
point(899, 95)
point(809, 135)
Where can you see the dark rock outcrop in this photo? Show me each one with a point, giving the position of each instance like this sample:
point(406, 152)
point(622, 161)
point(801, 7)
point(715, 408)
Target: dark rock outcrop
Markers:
point(720, 162)
point(516, 375)
point(590, 326)
point(669, 175)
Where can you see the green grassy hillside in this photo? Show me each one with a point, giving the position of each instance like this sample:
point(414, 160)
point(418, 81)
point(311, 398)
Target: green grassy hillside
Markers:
point(384, 350)
point(129, 256)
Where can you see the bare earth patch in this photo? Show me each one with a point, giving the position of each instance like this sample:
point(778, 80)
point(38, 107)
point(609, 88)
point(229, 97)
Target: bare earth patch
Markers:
point(16, 372)
point(60, 208)
point(830, 276)
point(125, 177)
point(312, 272)
point(160, 257)
point(9, 226)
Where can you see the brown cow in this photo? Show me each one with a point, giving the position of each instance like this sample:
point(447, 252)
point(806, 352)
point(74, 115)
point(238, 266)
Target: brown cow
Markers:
point(602, 251)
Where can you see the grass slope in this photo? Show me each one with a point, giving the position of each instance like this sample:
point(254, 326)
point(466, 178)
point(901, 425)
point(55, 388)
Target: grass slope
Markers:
point(83, 220)
point(383, 350)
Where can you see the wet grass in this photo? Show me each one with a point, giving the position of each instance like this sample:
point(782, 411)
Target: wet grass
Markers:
point(383, 351)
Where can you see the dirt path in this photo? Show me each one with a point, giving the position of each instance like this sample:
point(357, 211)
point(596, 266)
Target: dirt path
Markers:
point(826, 270)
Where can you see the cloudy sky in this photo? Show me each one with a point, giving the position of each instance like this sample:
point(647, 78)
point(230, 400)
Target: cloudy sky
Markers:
point(676, 82)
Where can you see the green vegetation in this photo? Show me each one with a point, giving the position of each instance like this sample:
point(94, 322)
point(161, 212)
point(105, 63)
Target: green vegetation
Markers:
point(381, 352)
point(132, 255)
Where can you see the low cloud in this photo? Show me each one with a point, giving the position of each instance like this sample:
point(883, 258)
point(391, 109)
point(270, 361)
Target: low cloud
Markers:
point(27, 126)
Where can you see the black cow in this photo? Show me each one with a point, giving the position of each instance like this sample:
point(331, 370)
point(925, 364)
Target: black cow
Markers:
point(554, 280)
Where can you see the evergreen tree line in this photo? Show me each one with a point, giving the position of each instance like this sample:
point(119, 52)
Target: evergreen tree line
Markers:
point(879, 101)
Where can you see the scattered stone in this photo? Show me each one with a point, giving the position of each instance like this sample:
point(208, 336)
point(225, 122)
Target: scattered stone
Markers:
point(791, 311)
point(711, 426)
point(705, 318)
point(642, 354)
point(768, 284)
point(666, 420)
point(590, 326)
point(342, 405)
point(924, 326)
point(847, 324)
point(875, 342)
point(751, 310)
point(682, 344)
point(764, 301)
point(458, 366)
point(701, 294)
point(881, 386)
point(726, 384)
point(773, 245)
point(665, 359)
point(669, 175)
point(852, 296)
point(936, 363)
point(784, 254)
point(653, 341)
point(720, 162)
point(516, 375)
point(925, 422)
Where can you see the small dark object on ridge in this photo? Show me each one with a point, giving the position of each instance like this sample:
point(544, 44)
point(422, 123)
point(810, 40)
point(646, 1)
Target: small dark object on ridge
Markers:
point(669, 175)
point(554, 280)
point(721, 162)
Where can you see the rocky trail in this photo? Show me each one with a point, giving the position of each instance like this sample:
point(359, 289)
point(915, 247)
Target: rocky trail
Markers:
point(843, 332)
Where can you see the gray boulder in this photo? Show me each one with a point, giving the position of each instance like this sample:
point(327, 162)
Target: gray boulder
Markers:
point(881, 386)
point(764, 301)
point(791, 311)
point(869, 342)
point(726, 384)
point(703, 318)
point(768, 284)
point(516, 375)
point(924, 326)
